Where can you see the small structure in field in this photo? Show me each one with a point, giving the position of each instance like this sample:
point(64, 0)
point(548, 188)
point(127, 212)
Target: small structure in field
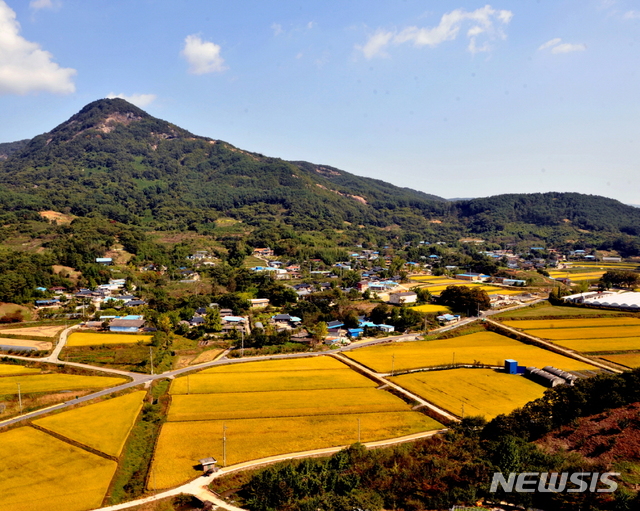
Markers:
point(208, 465)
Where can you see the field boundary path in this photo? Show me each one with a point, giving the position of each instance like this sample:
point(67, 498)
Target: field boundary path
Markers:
point(199, 487)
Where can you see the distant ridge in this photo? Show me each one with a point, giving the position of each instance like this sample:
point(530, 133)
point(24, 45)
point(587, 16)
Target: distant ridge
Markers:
point(114, 159)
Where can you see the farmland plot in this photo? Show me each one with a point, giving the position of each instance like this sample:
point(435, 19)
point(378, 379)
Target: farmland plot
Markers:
point(561, 334)
point(485, 347)
point(536, 324)
point(104, 426)
point(182, 444)
point(41, 473)
point(207, 383)
point(483, 392)
point(97, 339)
point(13, 369)
point(55, 383)
point(290, 403)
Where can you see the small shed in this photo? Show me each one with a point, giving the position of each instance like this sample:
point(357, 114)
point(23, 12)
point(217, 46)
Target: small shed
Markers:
point(510, 366)
point(208, 465)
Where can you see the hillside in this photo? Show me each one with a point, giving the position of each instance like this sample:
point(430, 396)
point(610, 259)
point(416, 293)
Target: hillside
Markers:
point(115, 160)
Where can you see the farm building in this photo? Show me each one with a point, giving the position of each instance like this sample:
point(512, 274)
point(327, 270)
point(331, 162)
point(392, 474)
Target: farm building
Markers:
point(257, 303)
point(403, 298)
point(104, 260)
point(130, 324)
point(567, 377)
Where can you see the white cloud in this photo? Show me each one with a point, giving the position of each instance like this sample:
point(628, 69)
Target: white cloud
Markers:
point(311, 24)
point(486, 22)
point(376, 44)
point(568, 48)
point(140, 100)
point(277, 29)
point(203, 56)
point(632, 15)
point(557, 47)
point(24, 66)
point(36, 5)
point(550, 43)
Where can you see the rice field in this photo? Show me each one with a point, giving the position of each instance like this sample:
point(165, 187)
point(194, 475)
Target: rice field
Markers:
point(104, 426)
point(182, 444)
point(481, 391)
point(535, 324)
point(291, 403)
point(224, 382)
point(630, 360)
point(13, 369)
point(563, 334)
point(431, 308)
point(289, 364)
point(485, 347)
point(601, 344)
point(41, 473)
point(55, 383)
point(97, 339)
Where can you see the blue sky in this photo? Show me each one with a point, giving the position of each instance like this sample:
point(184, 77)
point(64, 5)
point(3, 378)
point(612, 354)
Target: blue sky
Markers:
point(458, 99)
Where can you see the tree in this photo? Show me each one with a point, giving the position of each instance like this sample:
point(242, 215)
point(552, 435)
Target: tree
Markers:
point(379, 314)
point(321, 331)
point(212, 320)
point(465, 299)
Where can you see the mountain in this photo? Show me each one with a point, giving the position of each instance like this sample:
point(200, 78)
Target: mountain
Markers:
point(116, 160)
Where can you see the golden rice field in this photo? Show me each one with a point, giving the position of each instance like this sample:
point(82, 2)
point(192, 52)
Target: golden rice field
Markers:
point(563, 334)
point(96, 339)
point(430, 278)
point(482, 391)
point(289, 364)
point(431, 308)
point(104, 426)
point(55, 383)
point(211, 383)
point(534, 324)
point(503, 291)
point(41, 473)
point(601, 344)
point(286, 403)
point(11, 369)
point(630, 360)
point(182, 444)
point(486, 347)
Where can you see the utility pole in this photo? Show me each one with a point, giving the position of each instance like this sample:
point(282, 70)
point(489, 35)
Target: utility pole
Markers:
point(188, 385)
point(453, 360)
point(151, 358)
point(358, 429)
point(20, 397)
point(242, 353)
point(224, 444)
point(393, 360)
